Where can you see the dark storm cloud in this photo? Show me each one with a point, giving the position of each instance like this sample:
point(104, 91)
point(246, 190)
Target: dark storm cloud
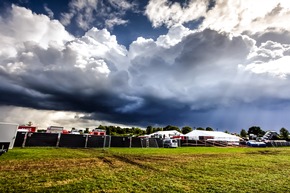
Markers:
point(153, 112)
point(210, 47)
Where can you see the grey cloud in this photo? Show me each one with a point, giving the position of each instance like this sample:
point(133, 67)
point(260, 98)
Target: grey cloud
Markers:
point(276, 35)
point(200, 58)
point(211, 47)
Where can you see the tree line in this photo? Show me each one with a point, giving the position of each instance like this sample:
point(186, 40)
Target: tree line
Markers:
point(258, 132)
point(135, 131)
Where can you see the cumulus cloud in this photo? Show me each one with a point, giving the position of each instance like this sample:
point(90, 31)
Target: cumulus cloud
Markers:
point(49, 72)
point(279, 67)
point(24, 26)
point(184, 71)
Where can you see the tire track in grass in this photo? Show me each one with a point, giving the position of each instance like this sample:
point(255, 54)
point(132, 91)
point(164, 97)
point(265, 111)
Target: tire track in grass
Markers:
point(134, 163)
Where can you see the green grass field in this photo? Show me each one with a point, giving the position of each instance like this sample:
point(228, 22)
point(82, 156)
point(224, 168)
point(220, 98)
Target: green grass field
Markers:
point(195, 169)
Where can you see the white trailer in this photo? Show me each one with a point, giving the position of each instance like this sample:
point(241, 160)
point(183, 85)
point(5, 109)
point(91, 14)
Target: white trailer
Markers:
point(54, 129)
point(8, 133)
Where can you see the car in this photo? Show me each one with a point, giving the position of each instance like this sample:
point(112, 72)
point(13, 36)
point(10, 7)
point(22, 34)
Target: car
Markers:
point(170, 143)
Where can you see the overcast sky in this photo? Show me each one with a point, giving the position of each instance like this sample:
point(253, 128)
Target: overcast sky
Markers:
point(81, 63)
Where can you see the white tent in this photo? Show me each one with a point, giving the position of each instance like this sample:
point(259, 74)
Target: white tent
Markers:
point(212, 135)
point(166, 134)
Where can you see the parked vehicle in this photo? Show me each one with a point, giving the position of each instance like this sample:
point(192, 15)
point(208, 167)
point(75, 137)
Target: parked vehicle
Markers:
point(170, 143)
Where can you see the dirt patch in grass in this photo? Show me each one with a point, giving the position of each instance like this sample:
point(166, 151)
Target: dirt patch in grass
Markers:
point(265, 152)
point(134, 162)
point(49, 164)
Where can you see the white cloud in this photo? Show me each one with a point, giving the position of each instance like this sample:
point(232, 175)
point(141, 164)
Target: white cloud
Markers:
point(49, 11)
point(26, 26)
point(47, 46)
point(269, 58)
point(174, 36)
point(247, 15)
point(122, 5)
point(110, 23)
point(162, 12)
point(89, 13)
point(279, 67)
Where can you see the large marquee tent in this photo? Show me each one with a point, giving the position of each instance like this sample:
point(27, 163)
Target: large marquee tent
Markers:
point(212, 136)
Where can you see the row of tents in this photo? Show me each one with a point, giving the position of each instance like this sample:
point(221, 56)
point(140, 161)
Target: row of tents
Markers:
point(198, 135)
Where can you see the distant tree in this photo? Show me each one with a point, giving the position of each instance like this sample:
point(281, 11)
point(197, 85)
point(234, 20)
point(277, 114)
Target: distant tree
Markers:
point(200, 128)
point(284, 133)
point(186, 129)
point(256, 131)
point(157, 129)
point(226, 131)
point(129, 130)
point(170, 127)
point(209, 129)
point(243, 133)
point(138, 131)
point(177, 129)
point(113, 130)
point(87, 130)
point(102, 127)
point(108, 131)
point(149, 130)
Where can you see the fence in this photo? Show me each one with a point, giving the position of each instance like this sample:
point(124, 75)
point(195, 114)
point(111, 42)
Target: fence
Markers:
point(207, 143)
point(28, 139)
point(277, 143)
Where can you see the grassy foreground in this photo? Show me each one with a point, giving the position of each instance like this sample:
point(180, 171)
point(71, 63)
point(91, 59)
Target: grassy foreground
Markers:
point(195, 169)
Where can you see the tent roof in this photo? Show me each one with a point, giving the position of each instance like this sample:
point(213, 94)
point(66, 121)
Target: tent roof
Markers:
point(170, 132)
point(215, 134)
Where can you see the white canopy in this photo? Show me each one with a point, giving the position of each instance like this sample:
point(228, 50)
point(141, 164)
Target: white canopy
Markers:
point(214, 135)
point(166, 134)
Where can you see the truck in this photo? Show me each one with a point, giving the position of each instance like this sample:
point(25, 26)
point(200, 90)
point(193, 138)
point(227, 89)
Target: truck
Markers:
point(8, 133)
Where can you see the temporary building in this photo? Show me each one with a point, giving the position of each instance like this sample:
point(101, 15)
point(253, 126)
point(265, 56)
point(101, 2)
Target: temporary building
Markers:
point(8, 133)
point(212, 136)
point(165, 134)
